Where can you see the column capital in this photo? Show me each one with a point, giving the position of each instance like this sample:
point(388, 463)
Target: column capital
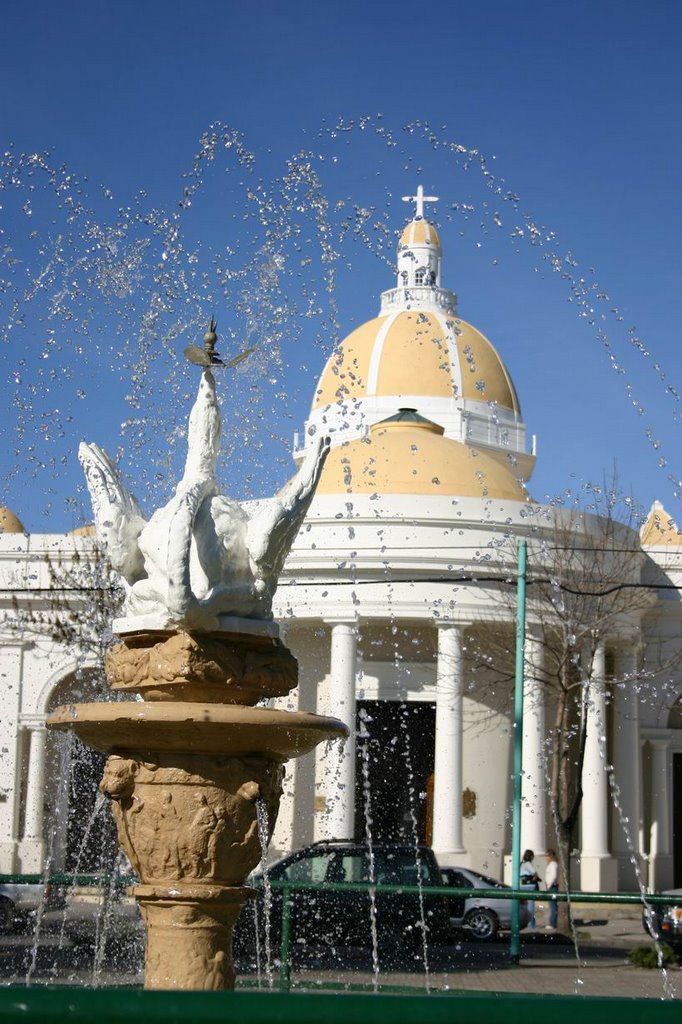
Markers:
point(631, 637)
point(447, 624)
point(34, 723)
point(534, 630)
point(657, 737)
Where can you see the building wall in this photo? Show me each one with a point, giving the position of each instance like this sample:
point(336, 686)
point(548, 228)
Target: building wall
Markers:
point(395, 570)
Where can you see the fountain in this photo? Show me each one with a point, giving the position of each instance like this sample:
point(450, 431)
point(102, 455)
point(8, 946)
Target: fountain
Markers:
point(190, 763)
point(199, 645)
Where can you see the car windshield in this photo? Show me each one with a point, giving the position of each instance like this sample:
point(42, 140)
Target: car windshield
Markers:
point(391, 867)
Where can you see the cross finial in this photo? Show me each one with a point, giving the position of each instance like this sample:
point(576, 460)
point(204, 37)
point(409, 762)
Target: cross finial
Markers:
point(420, 199)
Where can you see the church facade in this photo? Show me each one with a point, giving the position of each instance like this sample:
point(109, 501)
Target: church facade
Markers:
point(398, 599)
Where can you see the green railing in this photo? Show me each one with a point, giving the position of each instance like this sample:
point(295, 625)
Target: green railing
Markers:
point(69, 1006)
point(395, 1005)
point(287, 889)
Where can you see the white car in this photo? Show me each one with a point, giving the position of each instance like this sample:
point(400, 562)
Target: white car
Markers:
point(480, 918)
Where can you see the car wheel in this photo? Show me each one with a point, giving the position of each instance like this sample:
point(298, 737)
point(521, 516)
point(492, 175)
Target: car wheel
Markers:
point(6, 915)
point(481, 924)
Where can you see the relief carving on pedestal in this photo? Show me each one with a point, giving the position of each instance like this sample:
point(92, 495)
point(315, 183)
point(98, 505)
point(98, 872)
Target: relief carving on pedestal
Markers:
point(196, 823)
point(201, 667)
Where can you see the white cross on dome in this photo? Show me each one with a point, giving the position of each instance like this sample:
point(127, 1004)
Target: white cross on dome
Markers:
point(420, 199)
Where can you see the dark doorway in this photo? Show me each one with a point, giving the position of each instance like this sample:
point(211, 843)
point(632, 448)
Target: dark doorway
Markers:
point(677, 820)
point(393, 765)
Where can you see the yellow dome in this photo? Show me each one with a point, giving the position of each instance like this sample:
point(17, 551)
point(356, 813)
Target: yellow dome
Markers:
point(419, 232)
point(9, 523)
point(84, 531)
point(416, 352)
point(659, 529)
point(415, 458)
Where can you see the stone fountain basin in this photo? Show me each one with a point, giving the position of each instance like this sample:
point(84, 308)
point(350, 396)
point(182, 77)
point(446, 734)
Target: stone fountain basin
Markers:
point(160, 727)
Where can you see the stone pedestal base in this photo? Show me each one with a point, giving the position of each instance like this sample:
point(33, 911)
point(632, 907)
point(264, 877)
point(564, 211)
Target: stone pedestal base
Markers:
point(189, 934)
point(598, 874)
point(30, 856)
point(661, 871)
point(8, 857)
point(627, 875)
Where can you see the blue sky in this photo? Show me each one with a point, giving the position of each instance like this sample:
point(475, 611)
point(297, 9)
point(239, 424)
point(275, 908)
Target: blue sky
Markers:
point(577, 109)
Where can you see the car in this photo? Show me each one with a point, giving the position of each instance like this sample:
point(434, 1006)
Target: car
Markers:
point(20, 900)
point(664, 921)
point(481, 918)
point(91, 916)
point(326, 919)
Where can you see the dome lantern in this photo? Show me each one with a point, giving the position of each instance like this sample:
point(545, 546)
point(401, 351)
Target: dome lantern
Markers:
point(418, 269)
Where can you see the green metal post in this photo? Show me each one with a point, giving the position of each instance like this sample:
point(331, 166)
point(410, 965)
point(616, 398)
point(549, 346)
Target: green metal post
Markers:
point(515, 944)
point(285, 944)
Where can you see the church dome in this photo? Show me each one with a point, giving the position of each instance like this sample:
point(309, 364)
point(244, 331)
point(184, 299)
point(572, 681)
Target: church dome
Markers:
point(416, 352)
point(84, 531)
point(9, 523)
point(419, 232)
point(410, 455)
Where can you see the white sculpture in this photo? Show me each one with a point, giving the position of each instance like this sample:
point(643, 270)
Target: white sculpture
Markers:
point(201, 559)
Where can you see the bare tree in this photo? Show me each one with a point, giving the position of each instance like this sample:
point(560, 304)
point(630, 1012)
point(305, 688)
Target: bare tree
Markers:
point(584, 590)
point(74, 602)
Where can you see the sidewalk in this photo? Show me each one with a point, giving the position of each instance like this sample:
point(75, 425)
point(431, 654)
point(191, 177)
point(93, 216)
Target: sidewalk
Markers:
point(549, 965)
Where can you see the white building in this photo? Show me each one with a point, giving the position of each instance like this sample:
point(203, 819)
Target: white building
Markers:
point(398, 588)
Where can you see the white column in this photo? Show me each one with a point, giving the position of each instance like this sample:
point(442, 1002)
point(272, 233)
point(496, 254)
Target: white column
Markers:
point(627, 767)
point(534, 775)
point(281, 841)
point(598, 870)
point(448, 841)
point(32, 844)
point(11, 668)
point(660, 847)
point(335, 783)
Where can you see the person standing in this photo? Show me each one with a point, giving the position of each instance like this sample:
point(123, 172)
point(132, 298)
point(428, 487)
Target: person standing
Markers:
point(529, 880)
point(552, 885)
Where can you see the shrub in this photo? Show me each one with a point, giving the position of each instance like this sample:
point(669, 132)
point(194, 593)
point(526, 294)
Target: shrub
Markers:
point(647, 956)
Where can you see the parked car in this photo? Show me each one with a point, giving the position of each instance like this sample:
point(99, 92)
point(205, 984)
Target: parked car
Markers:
point(665, 921)
point(483, 917)
point(20, 900)
point(92, 916)
point(325, 919)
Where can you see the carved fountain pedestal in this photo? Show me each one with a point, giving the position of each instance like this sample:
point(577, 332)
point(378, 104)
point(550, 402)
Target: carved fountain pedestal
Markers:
point(188, 766)
point(191, 764)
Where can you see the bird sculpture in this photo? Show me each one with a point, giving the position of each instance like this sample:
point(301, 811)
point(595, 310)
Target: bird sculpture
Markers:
point(202, 557)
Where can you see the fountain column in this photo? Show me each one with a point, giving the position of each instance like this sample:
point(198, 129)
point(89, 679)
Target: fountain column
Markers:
point(448, 837)
point(598, 869)
point(534, 786)
point(627, 766)
point(660, 847)
point(335, 784)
